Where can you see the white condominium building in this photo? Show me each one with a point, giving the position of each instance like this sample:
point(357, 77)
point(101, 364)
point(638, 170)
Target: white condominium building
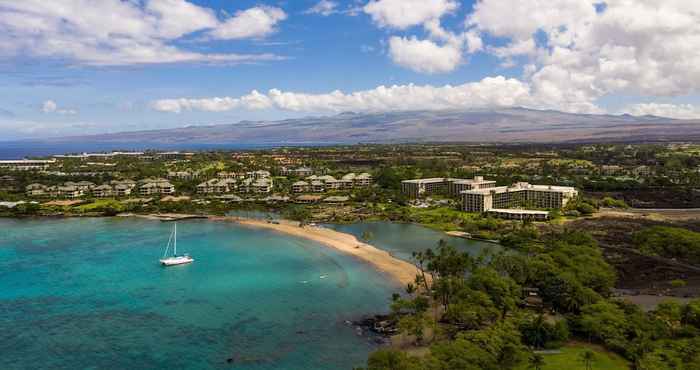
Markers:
point(520, 195)
point(443, 185)
point(156, 186)
point(217, 186)
point(27, 164)
point(300, 187)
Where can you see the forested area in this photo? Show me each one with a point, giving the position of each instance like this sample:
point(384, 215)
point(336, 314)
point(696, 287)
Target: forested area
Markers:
point(499, 311)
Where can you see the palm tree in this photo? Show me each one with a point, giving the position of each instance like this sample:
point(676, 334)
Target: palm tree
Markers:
point(539, 331)
point(536, 361)
point(410, 288)
point(588, 357)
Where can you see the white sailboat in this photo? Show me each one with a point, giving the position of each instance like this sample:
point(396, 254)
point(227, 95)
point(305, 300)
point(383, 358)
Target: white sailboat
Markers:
point(174, 259)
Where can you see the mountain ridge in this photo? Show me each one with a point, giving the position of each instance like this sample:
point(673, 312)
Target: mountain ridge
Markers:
point(484, 125)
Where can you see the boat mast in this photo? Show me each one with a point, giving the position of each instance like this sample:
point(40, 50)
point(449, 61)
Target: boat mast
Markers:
point(167, 246)
point(175, 245)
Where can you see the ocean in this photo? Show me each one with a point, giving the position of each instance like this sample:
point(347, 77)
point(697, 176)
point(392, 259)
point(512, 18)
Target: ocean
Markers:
point(88, 293)
point(32, 148)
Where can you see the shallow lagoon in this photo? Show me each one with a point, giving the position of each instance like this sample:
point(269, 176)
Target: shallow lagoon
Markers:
point(88, 293)
point(402, 239)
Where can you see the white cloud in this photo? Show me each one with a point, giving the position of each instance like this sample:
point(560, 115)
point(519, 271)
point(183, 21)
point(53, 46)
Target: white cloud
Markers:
point(474, 41)
point(176, 18)
point(255, 22)
point(116, 32)
point(324, 8)
point(678, 111)
point(571, 52)
point(402, 14)
point(424, 55)
point(521, 19)
point(577, 54)
point(489, 92)
point(50, 106)
point(442, 52)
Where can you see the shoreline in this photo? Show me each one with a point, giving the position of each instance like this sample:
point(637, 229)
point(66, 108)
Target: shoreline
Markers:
point(397, 269)
point(400, 271)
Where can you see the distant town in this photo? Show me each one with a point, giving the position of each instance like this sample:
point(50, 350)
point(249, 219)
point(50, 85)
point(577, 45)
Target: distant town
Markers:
point(504, 182)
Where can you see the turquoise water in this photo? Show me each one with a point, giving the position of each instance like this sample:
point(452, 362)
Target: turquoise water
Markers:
point(402, 239)
point(89, 294)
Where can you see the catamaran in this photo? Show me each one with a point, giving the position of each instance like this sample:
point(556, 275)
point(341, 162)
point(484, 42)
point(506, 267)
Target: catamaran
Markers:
point(174, 259)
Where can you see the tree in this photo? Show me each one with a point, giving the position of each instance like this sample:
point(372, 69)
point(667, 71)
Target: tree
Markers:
point(390, 359)
point(535, 332)
point(673, 242)
point(536, 361)
point(670, 314)
point(471, 310)
point(587, 357)
point(298, 213)
point(502, 342)
point(502, 290)
point(606, 322)
point(585, 208)
point(387, 178)
point(538, 332)
point(27, 209)
point(495, 347)
point(691, 313)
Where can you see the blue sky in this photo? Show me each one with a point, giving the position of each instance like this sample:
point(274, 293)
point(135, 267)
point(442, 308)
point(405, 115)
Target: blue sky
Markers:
point(72, 67)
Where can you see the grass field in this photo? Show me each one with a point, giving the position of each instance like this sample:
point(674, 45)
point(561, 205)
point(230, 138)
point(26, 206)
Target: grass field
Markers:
point(570, 359)
point(101, 204)
point(442, 218)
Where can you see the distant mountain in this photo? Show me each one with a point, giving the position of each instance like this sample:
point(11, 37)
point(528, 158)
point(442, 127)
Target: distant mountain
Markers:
point(493, 125)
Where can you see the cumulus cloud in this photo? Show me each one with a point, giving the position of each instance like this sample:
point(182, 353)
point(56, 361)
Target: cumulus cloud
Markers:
point(324, 8)
point(440, 53)
point(678, 111)
point(489, 92)
point(578, 53)
point(402, 14)
point(424, 55)
point(255, 22)
point(572, 52)
point(116, 32)
point(50, 106)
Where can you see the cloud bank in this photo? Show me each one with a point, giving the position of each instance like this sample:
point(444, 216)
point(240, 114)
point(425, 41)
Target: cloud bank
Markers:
point(571, 52)
point(489, 92)
point(116, 32)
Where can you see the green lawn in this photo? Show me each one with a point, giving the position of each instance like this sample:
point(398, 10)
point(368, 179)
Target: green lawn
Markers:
point(442, 218)
point(101, 204)
point(570, 359)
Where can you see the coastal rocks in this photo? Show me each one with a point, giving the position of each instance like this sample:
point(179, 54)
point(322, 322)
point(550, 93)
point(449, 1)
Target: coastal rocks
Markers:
point(382, 325)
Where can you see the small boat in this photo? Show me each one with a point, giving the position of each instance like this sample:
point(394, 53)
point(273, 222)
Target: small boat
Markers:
point(174, 259)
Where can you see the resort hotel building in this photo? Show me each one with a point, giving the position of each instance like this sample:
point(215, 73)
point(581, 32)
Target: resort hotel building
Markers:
point(441, 185)
point(503, 199)
point(520, 201)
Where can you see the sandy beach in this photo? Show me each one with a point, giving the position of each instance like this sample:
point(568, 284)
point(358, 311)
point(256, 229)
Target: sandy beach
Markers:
point(397, 269)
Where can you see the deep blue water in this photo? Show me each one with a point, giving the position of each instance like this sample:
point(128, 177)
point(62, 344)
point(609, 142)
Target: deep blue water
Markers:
point(89, 294)
point(402, 239)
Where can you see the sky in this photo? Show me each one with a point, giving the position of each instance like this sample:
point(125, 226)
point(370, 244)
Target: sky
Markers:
point(92, 66)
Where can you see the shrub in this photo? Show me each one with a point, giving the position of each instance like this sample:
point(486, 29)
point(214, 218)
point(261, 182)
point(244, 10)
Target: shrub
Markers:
point(678, 283)
point(672, 242)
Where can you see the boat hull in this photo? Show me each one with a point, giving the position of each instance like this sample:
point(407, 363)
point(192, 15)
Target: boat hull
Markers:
point(174, 261)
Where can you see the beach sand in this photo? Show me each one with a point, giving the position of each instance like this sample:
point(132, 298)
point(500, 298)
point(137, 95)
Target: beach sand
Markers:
point(399, 270)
